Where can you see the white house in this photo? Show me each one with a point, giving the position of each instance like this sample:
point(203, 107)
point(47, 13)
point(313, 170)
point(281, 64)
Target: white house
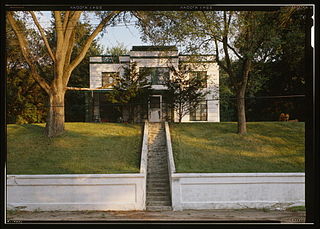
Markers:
point(157, 59)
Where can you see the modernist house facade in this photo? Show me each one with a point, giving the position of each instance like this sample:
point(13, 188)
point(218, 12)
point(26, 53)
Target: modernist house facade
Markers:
point(157, 60)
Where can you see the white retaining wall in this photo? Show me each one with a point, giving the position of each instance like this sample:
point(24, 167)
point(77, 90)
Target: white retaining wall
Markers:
point(80, 192)
point(233, 190)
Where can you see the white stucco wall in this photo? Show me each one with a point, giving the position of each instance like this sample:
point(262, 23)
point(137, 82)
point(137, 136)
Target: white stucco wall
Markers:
point(97, 69)
point(237, 190)
point(76, 192)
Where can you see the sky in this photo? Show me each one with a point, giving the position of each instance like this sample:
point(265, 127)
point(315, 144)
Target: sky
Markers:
point(128, 35)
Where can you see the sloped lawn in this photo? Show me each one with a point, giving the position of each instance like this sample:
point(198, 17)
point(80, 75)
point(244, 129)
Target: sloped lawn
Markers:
point(85, 148)
point(216, 148)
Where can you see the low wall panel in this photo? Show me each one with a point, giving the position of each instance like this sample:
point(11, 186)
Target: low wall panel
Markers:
point(76, 192)
point(236, 190)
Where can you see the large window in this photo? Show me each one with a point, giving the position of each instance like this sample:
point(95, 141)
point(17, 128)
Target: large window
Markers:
point(200, 113)
point(200, 75)
point(107, 78)
point(156, 76)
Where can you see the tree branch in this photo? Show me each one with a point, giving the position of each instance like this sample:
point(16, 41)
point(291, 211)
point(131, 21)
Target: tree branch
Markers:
point(71, 26)
point(60, 35)
point(86, 46)
point(26, 52)
point(235, 52)
point(65, 20)
point(90, 89)
point(43, 35)
point(70, 48)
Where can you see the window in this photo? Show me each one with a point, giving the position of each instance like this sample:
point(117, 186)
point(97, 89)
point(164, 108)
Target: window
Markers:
point(201, 75)
point(107, 78)
point(156, 76)
point(200, 113)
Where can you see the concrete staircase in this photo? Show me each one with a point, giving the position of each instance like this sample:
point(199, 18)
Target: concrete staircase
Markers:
point(158, 189)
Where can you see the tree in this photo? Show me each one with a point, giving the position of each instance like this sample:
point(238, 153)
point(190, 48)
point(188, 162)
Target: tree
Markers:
point(25, 99)
point(284, 72)
point(132, 86)
point(117, 50)
point(238, 40)
point(75, 104)
point(65, 25)
point(185, 91)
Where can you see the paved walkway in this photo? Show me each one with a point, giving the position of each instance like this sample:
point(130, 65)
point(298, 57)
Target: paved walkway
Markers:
point(244, 215)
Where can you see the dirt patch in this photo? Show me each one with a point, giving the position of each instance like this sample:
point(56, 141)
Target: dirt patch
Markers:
point(185, 216)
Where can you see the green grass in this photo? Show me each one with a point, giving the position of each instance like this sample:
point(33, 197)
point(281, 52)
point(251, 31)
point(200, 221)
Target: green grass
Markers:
point(296, 208)
point(84, 148)
point(217, 148)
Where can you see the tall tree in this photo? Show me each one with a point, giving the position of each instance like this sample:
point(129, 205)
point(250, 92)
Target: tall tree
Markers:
point(65, 25)
point(237, 39)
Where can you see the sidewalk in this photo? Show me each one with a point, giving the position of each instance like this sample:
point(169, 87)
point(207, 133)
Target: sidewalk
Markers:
point(245, 215)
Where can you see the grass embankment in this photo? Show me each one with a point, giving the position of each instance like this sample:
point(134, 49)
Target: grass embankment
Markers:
point(216, 148)
point(84, 148)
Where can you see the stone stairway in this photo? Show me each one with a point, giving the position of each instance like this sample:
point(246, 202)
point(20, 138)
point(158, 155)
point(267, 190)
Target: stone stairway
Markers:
point(158, 188)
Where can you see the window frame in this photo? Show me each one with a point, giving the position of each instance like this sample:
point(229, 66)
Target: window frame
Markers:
point(199, 112)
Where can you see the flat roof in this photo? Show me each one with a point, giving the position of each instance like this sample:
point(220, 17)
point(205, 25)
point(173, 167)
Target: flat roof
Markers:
point(154, 48)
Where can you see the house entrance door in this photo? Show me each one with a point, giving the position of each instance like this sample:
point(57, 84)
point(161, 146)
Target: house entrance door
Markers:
point(155, 114)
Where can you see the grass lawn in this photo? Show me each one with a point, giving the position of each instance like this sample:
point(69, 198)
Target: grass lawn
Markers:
point(85, 148)
point(216, 148)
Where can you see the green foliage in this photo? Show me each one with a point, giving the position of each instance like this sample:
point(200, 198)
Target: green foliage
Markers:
point(131, 87)
point(118, 50)
point(25, 100)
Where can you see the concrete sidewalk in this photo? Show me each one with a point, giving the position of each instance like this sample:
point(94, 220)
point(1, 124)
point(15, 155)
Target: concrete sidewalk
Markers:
point(244, 215)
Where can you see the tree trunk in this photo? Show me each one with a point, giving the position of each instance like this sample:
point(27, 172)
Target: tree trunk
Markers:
point(241, 92)
point(242, 125)
point(55, 118)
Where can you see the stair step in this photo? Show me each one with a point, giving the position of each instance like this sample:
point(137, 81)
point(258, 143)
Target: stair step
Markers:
point(162, 174)
point(158, 189)
point(157, 184)
point(156, 193)
point(158, 198)
point(159, 208)
point(158, 203)
point(154, 184)
point(158, 179)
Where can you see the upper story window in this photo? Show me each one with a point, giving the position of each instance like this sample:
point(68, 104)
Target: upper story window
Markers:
point(107, 78)
point(156, 75)
point(201, 75)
